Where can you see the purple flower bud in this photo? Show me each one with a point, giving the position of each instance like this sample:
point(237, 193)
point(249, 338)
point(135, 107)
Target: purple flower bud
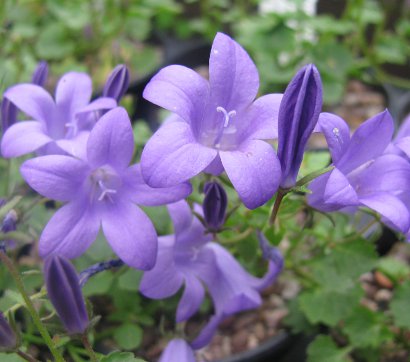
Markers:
point(8, 114)
point(9, 222)
point(117, 83)
point(298, 114)
point(214, 205)
point(270, 253)
point(65, 294)
point(40, 74)
point(8, 339)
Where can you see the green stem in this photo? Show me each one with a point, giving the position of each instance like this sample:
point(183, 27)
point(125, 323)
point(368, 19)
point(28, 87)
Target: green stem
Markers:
point(26, 356)
point(276, 206)
point(89, 348)
point(30, 307)
point(40, 294)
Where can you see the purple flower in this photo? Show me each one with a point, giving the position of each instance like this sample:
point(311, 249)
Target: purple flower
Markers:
point(214, 205)
point(177, 350)
point(363, 175)
point(65, 293)
point(40, 74)
point(220, 126)
point(56, 127)
point(100, 190)
point(117, 83)
point(298, 114)
point(190, 258)
point(8, 339)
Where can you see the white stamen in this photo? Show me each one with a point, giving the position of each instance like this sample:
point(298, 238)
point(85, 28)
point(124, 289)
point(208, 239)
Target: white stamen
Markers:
point(105, 191)
point(227, 115)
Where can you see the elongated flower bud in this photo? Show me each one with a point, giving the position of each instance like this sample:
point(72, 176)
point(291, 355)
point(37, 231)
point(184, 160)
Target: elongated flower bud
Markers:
point(40, 74)
point(214, 205)
point(65, 294)
point(298, 114)
point(117, 83)
point(8, 339)
point(8, 114)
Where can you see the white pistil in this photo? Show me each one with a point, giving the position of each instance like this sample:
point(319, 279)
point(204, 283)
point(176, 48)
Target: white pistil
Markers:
point(227, 118)
point(105, 191)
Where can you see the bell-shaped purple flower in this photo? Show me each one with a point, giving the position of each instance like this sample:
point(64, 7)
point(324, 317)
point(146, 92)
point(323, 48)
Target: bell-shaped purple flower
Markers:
point(298, 114)
point(117, 83)
point(364, 175)
point(220, 126)
point(40, 74)
point(8, 338)
point(57, 126)
point(214, 205)
point(65, 294)
point(190, 258)
point(101, 190)
point(177, 350)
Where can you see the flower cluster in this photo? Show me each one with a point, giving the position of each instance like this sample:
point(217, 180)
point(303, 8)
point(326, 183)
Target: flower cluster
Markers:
point(85, 160)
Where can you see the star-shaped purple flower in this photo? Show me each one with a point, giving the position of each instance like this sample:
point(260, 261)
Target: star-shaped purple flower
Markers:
point(56, 127)
point(100, 190)
point(363, 175)
point(190, 258)
point(221, 125)
point(177, 350)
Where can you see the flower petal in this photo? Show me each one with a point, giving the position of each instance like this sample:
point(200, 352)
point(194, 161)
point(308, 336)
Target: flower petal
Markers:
point(173, 155)
point(339, 192)
point(254, 171)
point(233, 76)
point(76, 146)
point(390, 207)
point(142, 194)
point(177, 351)
point(33, 100)
point(56, 177)
point(181, 216)
point(369, 141)
point(22, 138)
point(164, 279)
point(207, 332)
point(70, 231)
point(180, 90)
point(111, 141)
point(131, 235)
point(191, 300)
point(337, 134)
point(99, 104)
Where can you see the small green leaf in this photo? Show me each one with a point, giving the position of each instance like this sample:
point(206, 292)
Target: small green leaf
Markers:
point(10, 357)
point(400, 305)
point(121, 357)
point(394, 268)
point(128, 336)
point(324, 349)
point(130, 280)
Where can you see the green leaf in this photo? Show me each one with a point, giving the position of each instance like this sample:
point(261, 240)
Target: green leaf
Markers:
point(394, 268)
point(53, 43)
point(296, 319)
point(99, 283)
point(128, 336)
point(10, 357)
point(130, 280)
point(121, 357)
point(400, 305)
point(366, 328)
point(324, 349)
point(329, 306)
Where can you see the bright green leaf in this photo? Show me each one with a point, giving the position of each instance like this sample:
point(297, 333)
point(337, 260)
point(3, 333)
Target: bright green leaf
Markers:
point(128, 336)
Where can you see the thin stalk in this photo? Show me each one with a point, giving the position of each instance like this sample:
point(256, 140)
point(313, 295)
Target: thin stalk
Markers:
point(42, 293)
point(30, 307)
point(26, 356)
point(276, 206)
point(89, 348)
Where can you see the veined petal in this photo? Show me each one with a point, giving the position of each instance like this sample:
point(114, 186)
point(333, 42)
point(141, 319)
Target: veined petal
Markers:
point(131, 235)
point(76, 146)
point(180, 90)
point(102, 103)
point(233, 76)
point(369, 141)
point(337, 134)
point(22, 138)
point(404, 144)
point(177, 351)
point(164, 279)
point(142, 194)
point(254, 171)
point(33, 100)
point(111, 141)
point(73, 92)
point(181, 216)
point(339, 192)
point(390, 207)
point(172, 156)
point(404, 130)
point(316, 197)
point(56, 177)
point(208, 331)
point(70, 231)
point(191, 300)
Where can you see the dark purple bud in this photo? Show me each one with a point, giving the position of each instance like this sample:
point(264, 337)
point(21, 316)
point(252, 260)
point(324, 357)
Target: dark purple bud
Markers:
point(214, 205)
point(40, 74)
point(298, 114)
point(8, 339)
point(9, 222)
point(8, 114)
point(117, 83)
point(65, 293)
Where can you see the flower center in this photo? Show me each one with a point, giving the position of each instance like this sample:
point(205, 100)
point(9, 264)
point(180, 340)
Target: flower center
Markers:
point(227, 117)
point(105, 183)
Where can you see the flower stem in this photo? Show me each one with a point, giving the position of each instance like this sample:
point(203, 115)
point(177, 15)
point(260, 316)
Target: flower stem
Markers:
point(26, 356)
point(87, 345)
point(276, 206)
point(30, 307)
